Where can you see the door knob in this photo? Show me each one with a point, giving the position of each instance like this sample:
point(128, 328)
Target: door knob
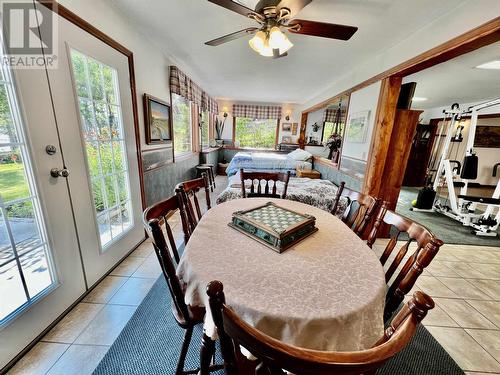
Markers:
point(56, 172)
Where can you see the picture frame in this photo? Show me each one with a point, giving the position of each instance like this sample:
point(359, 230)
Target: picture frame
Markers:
point(357, 127)
point(295, 127)
point(286, 127)
point(487, 136)
point(286, 139)
point(158, 120)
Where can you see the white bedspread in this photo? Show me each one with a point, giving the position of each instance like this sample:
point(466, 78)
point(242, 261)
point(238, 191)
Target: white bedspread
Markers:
point(265, 162)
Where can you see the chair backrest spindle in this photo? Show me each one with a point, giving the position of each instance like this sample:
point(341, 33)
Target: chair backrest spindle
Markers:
point(403, 275)
point(261, 177)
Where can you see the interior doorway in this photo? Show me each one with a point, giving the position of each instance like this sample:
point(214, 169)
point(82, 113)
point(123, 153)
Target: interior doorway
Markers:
point(450, 95)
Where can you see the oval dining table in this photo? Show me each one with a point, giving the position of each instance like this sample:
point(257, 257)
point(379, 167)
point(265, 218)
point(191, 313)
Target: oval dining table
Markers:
point(327, 292)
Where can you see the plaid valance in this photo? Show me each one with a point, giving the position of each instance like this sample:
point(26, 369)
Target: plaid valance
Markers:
point(257, 111)
point(330, 114)
point(182, 85)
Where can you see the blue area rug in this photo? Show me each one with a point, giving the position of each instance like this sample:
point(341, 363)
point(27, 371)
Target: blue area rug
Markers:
point(150, 344)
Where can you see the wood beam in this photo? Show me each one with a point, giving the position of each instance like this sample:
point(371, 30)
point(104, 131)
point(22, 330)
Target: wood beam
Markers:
point(384, 123)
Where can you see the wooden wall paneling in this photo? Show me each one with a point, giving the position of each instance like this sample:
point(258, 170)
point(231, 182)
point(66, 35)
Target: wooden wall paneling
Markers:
point(303, 124)
point(405, 126)
point(384, 122)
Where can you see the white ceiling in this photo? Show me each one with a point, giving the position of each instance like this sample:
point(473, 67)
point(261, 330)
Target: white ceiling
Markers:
point(234, 71)
point(458, 80)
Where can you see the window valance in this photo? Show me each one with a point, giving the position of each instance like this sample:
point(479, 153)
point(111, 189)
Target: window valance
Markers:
point(330, 114)
point(182, 85)
point(257, 111)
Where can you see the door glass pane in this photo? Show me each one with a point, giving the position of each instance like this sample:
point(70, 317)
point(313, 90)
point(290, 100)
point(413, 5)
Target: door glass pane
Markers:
point(26, 270)
point(106, 151)
point(13, 180)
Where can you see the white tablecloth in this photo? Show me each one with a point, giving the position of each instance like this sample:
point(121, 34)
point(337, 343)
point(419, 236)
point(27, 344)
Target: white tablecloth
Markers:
point(325, 293)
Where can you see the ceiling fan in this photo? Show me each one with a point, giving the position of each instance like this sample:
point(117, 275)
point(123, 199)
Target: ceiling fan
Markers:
point(273, 16)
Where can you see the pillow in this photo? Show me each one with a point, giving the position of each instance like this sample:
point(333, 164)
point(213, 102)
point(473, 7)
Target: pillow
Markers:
point(300, 155)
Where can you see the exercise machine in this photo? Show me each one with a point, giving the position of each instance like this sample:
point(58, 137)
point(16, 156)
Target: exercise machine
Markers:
point(451, 173)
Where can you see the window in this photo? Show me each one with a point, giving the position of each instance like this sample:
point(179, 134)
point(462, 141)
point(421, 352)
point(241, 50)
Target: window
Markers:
point(255, 133)
point(96, 86)
point(181, 117)
point(26, 268)
point(329, 128)
point(204, 118)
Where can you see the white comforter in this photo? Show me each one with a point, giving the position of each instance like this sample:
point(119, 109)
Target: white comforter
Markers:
point(265, 162)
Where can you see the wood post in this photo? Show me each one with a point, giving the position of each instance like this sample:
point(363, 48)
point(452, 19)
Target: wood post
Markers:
point(384, 123)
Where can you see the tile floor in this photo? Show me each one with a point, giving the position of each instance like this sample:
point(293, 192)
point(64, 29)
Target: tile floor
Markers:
point(463, 280)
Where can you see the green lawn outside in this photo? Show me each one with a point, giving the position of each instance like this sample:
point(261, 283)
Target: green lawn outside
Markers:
point(13, 184)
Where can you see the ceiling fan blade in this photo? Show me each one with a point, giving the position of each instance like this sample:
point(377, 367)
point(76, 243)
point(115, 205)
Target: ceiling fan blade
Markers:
point(232, 36)
point(325, 30)
point(236, 7)
point(295, 6)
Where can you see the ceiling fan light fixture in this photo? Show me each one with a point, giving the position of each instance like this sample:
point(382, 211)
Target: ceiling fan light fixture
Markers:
point(258, 41)
point(279, 40)
point(266, 49)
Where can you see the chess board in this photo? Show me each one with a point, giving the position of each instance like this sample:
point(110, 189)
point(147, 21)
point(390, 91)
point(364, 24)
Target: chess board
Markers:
point(274, 226)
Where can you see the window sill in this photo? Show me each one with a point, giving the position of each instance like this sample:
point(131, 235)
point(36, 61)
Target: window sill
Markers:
point(210, 149)
point(251, 149)
point(325, 161)
point(184, 156)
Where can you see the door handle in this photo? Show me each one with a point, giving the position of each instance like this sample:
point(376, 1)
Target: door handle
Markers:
point(56, 172)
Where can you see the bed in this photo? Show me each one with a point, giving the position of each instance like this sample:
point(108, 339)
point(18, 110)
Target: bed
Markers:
point(317, 193)
point(266, 162)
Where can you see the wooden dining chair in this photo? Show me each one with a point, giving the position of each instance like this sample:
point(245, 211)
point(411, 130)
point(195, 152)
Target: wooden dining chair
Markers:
point(267, 177)
point(187, 317)
point(274, 357)
point(359, 210)
point(188, 194)
point(401, 276)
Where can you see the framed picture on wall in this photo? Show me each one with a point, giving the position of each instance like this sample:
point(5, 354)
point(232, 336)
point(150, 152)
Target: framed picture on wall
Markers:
point(158, 120)
point(357, 127)
point(286, 139)
point(295, 127)
point(286, 127)
point(487, 136)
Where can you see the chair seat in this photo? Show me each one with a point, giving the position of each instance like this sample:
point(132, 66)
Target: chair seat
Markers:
point(196, 314)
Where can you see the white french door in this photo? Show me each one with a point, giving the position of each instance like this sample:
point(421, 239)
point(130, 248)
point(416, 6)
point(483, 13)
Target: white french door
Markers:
point(60, 232)
point(93, 104)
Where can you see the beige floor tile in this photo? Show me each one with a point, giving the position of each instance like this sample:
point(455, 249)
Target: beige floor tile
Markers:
point(468, 354)
point(39, 359)
point(434, 287)
point(438, 317)
point(128, 266)
point(481, 373)
point(437, 268)
point(490, 287)
point(106, 289)
point(132, 292)
point(70, 327)
point(463, 288)
point(463, 313)
point(464, 270)
point(489, 309)
point(448, 256)
point(79, 360)
point(488, 339)
point(106, 326)
point(144, 250)
point(149, 269)
point(487, 271)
